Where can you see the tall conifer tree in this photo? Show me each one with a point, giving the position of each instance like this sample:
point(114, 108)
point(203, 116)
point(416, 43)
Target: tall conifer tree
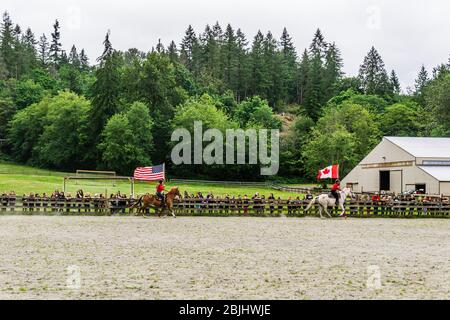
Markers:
point(373, 75)
point(55, 46)
point(106, 88)
point(395, 83)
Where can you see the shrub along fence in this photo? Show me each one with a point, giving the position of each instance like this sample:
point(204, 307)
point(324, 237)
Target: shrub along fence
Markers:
point(221, 207)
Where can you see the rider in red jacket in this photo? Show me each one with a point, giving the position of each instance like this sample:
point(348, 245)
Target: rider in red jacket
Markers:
point(160, 191)
point(335, 190)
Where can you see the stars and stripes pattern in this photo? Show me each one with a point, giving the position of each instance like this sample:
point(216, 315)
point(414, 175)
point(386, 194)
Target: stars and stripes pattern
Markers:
point(150, 173)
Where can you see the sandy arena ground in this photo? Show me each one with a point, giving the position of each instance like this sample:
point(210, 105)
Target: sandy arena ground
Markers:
point(223, 258)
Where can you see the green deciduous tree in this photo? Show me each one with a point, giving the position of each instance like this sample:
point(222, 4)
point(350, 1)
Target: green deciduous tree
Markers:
point(159, 90)
point(7, 111)
point(255, 112)
point(127, 140)
point(64, 142)
point(344, 135)
point(26, 128)
point(323, 150)
point(26, 93)
point(118, 148)
point(400, 120)
point(52, 133)
point(202, 109)
point(142, 123)
point(292, 145)
point(437, 101)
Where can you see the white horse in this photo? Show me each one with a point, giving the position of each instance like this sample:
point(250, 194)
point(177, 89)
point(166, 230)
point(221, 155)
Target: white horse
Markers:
point(324, 200)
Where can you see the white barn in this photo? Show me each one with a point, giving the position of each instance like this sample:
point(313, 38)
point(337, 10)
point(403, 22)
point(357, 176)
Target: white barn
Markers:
point(399, 164)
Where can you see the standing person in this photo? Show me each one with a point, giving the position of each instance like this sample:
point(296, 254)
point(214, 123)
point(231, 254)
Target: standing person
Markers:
point(160, 191)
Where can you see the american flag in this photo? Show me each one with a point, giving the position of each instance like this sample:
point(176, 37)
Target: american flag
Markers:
point(149, 173)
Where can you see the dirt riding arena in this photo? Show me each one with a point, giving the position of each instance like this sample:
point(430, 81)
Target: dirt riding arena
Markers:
point(53, 257)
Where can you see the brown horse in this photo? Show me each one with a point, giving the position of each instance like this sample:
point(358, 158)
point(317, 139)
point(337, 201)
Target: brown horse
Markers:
point(151, 201)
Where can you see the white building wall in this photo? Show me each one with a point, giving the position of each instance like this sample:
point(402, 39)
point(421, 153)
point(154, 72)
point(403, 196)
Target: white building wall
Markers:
point(445, 188)
point(386, 151)
point(415, 175)
point(401, 179)
point(367, 179)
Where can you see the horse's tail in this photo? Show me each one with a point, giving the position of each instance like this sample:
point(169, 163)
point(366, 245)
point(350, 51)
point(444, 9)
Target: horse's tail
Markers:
point(313, 201)
point(138, 203)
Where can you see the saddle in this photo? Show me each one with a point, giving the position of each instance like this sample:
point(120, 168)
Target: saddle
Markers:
point(163, 198)
point(330, 195)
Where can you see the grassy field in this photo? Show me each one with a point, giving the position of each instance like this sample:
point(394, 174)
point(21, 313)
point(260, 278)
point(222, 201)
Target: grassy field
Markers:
point(25, 179)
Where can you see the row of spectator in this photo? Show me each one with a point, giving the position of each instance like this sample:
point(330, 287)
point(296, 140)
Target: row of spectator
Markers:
point(60, 202)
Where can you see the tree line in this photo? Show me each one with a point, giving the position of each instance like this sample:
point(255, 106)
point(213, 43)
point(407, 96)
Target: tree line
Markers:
point(60, 110)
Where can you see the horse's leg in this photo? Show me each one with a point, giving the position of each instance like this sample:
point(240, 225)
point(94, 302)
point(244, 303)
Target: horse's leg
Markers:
point(326, 211)
point(170, 207)
point(138, 211)
point(144, 209)
point(320, 211)
point(343, 210)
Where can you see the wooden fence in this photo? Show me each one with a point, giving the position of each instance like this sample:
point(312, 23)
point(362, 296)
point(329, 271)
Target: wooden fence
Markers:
point(226, 183)
point(221, 207)
point(302, 190)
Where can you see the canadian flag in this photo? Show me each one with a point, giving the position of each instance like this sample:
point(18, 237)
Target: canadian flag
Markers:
point(330, 172)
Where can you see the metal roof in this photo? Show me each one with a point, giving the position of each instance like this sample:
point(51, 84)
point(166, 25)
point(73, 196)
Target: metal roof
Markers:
point(441, 173)
point(423, 147)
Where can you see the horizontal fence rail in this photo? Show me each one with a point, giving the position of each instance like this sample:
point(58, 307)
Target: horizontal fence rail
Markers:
point(300, 189)
point(238, 183)
point(221, 207)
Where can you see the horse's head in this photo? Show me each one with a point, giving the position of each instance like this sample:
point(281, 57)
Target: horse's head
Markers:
point(175, 191)
point(349, 192)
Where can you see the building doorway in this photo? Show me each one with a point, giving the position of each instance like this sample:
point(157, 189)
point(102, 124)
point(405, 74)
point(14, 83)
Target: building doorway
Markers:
point(385, 181)
point(421, 188)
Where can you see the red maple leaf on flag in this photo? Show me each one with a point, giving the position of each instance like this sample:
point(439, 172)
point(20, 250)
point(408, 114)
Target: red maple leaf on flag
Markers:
point(326, 171)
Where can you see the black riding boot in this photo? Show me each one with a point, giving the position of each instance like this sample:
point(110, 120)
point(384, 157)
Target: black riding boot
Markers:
point(336, 196)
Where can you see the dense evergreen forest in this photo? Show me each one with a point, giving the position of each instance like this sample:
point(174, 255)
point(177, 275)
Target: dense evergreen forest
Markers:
point(65, 111)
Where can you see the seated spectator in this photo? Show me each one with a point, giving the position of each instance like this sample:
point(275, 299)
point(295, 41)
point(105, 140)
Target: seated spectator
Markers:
point(4, 201)
point(280, 205)
point(376, 197)
point(245, 204)
point(271, 200)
